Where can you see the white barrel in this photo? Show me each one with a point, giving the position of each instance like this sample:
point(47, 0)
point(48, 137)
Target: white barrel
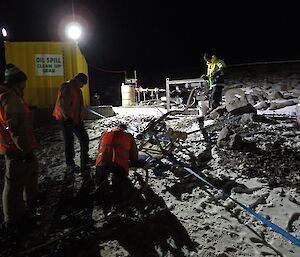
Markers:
point(128, 95)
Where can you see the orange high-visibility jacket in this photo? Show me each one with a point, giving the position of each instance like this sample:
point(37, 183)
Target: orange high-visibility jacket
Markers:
point(69, 103)
point(16, 126)
point(117, 147)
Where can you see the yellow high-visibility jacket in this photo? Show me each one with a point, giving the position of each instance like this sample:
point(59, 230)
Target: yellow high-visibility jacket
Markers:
point(213, 71)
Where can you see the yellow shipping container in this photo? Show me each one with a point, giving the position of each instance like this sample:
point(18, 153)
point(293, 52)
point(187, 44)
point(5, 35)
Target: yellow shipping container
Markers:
point(47, 65)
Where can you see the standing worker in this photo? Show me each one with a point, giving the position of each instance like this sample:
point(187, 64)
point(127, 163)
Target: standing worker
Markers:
point(116, 152)
point(215, 79)
point(17, 142)
point(69, 111)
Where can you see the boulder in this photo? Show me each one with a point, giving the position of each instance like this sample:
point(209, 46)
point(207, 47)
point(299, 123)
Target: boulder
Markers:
point(275, 95)
point(236, 102)
point(279, 105)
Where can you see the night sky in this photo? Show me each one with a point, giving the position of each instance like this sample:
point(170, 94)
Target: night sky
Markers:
point(162, 38)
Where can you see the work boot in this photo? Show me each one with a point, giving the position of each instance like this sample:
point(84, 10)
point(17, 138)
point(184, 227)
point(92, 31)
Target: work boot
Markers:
point(87, 162)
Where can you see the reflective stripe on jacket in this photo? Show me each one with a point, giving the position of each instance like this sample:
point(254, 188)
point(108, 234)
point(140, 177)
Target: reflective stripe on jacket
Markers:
point(69, 103)
point(213, 67)
point(57, 110)
point(115, 148)
point(16, 126)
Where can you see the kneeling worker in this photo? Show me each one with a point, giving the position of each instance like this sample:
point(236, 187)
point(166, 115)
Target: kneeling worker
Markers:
point(117, 151)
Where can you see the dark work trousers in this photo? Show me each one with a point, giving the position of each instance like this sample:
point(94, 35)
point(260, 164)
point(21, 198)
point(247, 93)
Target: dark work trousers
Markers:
point(119, 177)
point(68, 130)
point(215, 98)
point(102, 173)
point(111, 192)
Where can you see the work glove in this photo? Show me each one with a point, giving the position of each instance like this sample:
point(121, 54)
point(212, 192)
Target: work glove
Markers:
point(28, 157)
point(204, 77)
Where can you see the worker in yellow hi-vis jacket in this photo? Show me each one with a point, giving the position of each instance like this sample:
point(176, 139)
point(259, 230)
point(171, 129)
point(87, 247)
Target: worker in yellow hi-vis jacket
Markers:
point(215, 79)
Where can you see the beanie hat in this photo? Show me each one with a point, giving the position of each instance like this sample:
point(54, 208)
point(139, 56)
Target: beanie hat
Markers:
point(13, 75)
point(81, 77)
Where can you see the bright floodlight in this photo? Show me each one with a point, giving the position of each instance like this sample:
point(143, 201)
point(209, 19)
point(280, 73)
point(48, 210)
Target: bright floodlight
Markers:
point(4, 32)
point(73, 30)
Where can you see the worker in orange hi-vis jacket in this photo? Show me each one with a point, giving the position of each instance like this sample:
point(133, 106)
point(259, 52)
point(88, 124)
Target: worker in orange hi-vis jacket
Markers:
point(117, 152)
point(17, 143)
point(69, 111)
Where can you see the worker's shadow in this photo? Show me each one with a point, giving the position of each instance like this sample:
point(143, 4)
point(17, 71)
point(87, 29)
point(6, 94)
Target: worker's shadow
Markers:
point(143, 225)
point(188, 182)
